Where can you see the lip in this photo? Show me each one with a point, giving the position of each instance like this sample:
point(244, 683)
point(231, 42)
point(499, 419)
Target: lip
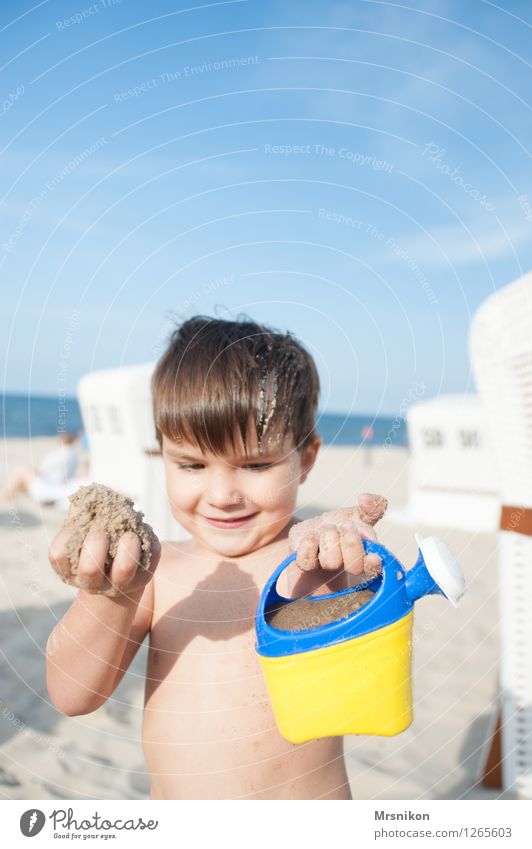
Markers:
point(229, 523)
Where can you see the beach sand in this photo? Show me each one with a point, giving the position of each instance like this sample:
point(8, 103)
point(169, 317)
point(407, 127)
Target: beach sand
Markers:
point(44, 755)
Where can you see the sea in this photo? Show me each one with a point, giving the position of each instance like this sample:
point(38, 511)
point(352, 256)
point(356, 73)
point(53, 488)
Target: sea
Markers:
point(32, 415)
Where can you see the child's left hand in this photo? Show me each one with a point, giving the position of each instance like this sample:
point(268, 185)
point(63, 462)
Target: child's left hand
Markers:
point(333, 541)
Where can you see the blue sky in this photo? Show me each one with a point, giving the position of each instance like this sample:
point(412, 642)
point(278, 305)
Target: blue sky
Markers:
point(355, 172)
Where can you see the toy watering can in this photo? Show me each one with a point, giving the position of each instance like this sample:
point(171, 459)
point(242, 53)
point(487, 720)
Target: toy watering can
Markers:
point(354, 675)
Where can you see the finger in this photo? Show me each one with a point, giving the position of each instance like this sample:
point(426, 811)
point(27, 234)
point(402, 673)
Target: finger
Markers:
point(293, 538)
point(371, 507)
point(352, 549)
point(126, 560)
point(329, 550)
point(307, 553)
point(366, 531)
point(91, 565)
point(57, 553)
point(155, 553)
point(298, 532)
point(372, 565)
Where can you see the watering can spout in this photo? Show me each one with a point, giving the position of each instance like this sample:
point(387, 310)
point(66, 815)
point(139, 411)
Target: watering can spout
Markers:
point(435, 572)
point(419, 582)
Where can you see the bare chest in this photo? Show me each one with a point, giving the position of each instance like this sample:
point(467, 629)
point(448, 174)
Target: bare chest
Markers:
point(209, 730)
point(203, 638)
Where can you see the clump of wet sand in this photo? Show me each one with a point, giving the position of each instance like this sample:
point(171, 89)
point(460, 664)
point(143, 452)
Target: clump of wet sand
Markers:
point(100, 506)
point(301, 614)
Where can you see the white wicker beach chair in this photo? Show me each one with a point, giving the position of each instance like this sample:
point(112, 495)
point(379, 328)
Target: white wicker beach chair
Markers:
point(124, 453)
point(501, 351)
point(452, 478)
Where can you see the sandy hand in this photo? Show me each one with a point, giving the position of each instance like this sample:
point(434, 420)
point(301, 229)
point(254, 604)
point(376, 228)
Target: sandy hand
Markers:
point(105, 547)
point(333, 540)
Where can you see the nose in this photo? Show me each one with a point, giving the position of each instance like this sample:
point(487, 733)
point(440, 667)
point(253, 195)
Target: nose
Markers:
point(223, 490)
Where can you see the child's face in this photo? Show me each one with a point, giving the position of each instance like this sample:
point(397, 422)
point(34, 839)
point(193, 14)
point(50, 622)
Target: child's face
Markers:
point(231, 503)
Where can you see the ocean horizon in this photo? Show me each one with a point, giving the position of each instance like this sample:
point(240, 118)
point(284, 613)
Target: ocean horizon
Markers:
point(26, 416)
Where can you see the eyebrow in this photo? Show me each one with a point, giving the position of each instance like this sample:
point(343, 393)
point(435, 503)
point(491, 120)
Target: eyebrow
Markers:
point(199, 459)
point(179, 456)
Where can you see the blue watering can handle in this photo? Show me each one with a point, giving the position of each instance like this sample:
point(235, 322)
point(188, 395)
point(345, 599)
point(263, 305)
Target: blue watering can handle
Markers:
point(270, 589)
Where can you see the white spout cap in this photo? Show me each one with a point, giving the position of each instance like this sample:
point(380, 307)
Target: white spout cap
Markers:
point(443, 567)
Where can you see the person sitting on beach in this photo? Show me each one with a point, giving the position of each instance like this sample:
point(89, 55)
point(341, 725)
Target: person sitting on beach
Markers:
point(234, 407)
point(55, 477)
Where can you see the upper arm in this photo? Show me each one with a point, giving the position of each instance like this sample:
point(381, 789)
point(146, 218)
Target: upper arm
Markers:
point(140, 628)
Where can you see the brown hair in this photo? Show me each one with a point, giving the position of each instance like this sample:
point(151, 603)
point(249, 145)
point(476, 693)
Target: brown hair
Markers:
point(215, 375)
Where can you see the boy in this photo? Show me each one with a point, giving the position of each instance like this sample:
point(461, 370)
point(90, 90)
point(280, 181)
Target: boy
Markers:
point(234, 408)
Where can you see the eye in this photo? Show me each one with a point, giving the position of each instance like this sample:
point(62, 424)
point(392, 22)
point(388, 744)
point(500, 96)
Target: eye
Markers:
point(190, 467)
point(258, 467)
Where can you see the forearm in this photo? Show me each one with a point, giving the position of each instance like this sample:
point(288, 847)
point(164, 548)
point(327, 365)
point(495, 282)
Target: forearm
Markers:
point(84, 651)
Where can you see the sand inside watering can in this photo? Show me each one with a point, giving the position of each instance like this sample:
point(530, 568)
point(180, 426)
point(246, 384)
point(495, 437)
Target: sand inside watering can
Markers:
point(303, 614)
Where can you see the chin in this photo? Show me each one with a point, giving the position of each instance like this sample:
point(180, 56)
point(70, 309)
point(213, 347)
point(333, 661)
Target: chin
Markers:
point(230, 548)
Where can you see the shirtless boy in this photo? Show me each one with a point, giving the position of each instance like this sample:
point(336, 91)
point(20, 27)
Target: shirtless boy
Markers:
point(234, 408)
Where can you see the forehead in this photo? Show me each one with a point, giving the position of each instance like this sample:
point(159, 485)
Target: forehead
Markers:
point(183, 447)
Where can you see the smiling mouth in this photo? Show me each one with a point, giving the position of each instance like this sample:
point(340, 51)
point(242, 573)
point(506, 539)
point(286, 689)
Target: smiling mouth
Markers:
point(229, 523)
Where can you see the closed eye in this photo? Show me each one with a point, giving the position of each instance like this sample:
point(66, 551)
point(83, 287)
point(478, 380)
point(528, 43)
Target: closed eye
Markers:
point(191, 467)
point(257, 467)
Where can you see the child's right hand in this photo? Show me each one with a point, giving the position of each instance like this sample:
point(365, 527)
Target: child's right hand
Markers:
point(125, 579)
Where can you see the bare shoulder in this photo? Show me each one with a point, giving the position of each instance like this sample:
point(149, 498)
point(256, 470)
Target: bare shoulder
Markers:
point(173, 577)
point(173, 555)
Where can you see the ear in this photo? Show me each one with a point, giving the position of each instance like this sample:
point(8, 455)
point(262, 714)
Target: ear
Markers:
point(308, 458)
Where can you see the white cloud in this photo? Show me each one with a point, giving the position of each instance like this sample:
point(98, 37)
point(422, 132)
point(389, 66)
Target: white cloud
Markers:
point(442, 247)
